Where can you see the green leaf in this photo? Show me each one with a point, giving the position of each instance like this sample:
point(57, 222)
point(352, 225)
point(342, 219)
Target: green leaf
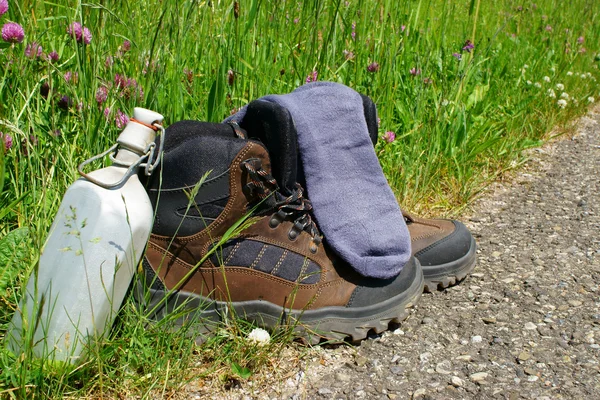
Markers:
point(210, 103)
point(242, 372)
point(471, 7)
point(251, 16)
point(12, 253)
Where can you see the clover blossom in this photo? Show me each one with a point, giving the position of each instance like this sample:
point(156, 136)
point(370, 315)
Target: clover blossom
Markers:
point(12, 32)
point(3, 7)
point(33, 50)
point(389, 136)
point(373, 67)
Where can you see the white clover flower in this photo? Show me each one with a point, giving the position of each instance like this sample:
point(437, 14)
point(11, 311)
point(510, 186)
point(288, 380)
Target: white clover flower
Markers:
point(562, 103)
point(590, 99)
point(445, 103)
point(259, 336)
point(560, 86)
point(564, 95)
point(551, 93)
point(552, 69)
point(546, 79)
point(583, 76)
point(569, 73)
point(528, 83)
point(525, 66)
point(589, 74)
point(575, 102)
point(537, 85)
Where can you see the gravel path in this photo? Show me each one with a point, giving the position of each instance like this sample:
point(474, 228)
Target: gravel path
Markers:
point(524, 325)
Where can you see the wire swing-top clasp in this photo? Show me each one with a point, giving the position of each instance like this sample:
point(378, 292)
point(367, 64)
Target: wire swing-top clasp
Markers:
point(144, 161)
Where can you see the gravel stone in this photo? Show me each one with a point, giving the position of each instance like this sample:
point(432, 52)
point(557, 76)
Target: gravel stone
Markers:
point(457, 382)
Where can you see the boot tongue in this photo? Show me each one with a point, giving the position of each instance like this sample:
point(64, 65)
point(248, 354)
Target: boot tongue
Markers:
point(370, 117)
point(273, 125)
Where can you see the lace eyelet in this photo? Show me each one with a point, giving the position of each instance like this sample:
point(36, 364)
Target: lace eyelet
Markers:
point(274, 222)
point(292, 235)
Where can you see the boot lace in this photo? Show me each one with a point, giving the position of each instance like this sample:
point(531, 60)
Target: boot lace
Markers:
point(294, 208)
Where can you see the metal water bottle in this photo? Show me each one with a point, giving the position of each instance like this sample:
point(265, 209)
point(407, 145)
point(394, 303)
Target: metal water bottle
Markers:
point(90, 256)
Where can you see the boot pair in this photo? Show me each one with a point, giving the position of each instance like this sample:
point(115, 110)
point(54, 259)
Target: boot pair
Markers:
point(277, 270)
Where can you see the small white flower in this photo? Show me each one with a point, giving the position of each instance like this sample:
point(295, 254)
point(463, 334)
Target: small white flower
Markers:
point(552, 69)
point(590, 99)
point(589, 74)
point(575, 102)
point(525, 66)
point(560, 86)
point(551, 93)
point(569, 73)
point(564, 95)
point(562, 103)
point(546, 79)
point(444, 103)
point(537, 85)
point(259, 336)
point(528, 83)
point(583, 76)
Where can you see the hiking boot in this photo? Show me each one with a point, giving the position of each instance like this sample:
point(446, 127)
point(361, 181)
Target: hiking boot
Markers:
point(277, 270)
point(445, 248)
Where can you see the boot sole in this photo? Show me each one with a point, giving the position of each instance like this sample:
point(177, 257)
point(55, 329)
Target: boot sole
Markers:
point(444, 275)
point(335, 323)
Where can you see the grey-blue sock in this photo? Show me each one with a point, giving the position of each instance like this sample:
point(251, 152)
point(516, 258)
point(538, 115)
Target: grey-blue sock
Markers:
point(352, 202)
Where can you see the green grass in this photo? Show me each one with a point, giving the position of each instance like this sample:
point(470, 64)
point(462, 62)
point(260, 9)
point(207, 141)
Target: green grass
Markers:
point(459, 123)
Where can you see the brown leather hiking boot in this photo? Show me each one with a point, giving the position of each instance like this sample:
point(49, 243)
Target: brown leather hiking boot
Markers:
point(277, 270)
point(445, 248)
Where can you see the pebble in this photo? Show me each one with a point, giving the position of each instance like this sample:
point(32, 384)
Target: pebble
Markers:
point(443, 367)
point(575, 303)
point(419, 393)
point(464, 357)
point(427, 321)
point(397, 370)
point(457, 382)
point(325, 391)
point(524, 356)
point(530, 326)
point(395, 358)
point(488, 320)
point(478, 376)
point(530, 371)
point(361, 361)
point(532, 378)
point(476, 339)
point(425, 357)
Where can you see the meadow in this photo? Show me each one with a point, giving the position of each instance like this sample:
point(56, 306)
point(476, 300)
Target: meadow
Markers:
point(462, 88)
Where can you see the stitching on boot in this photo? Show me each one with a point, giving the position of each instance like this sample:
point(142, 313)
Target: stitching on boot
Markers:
point(283, 256)
point(303, 275)
point(259, 256)
point(231, 254)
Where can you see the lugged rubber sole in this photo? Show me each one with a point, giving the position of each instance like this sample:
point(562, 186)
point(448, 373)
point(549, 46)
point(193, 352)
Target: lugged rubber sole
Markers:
point(335, 323)
point(444, 275)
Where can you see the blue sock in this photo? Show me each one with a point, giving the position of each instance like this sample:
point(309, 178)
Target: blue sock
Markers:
point(353, 203)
